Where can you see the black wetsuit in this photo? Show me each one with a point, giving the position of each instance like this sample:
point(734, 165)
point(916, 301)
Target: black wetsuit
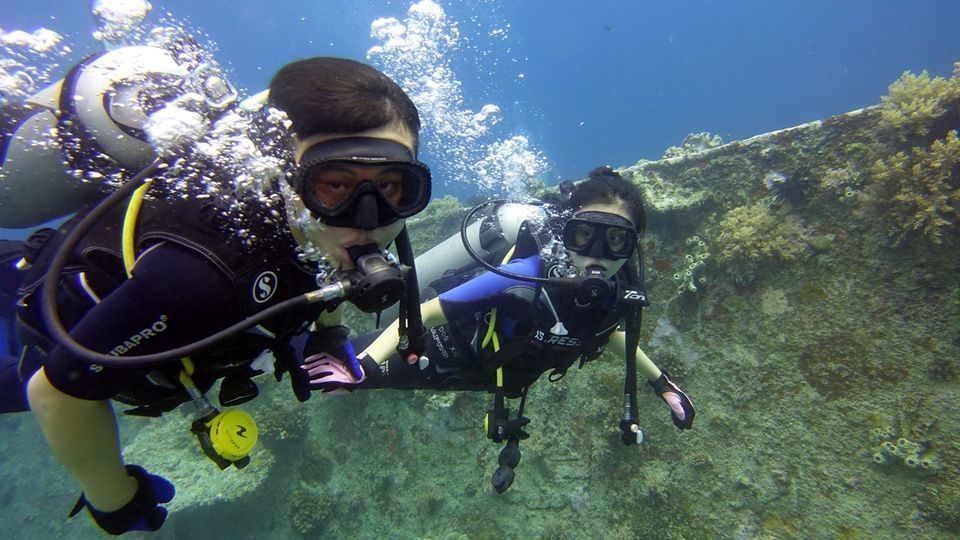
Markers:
point(10, 252)
point(194, 275)
point(538, 330)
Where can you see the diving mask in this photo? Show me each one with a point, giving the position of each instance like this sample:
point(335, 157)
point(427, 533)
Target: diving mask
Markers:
point(362, 182)
point(601, 235)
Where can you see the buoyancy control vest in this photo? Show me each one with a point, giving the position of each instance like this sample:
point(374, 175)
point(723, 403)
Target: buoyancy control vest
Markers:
point(260, 263)
point(550, 334)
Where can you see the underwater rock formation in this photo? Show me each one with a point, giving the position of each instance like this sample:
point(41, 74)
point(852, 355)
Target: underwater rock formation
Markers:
point(852, 221)
point(167, 445)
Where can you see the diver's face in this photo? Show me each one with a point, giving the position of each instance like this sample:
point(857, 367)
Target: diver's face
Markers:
point(608, 266)
point(334, 241)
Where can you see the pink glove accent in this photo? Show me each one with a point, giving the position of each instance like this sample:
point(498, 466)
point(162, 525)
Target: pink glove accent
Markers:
point(675, 404)
point(327, 373)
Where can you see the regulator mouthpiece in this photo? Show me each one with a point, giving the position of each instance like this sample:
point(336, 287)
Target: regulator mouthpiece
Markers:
point(376, 283)
point(592, 289)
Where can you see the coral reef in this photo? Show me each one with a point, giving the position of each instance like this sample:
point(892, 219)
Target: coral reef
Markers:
point(846, 183)
point(773, 302)
point(911, 454)
point(440, 219)
point(282, 423)
point(308, 511)
point(661, 195)
point(915, 102)
point(167, 447)
point(747, 237)
point(692, 144)
point(694, 258)
point(921, 190)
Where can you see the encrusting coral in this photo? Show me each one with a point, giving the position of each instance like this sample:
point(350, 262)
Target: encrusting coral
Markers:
point(308, 511)
point(748, 236)
point(694, 143)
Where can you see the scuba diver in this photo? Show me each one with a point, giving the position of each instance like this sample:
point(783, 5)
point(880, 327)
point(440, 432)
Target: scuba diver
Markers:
point(570, 289)
point(153, 295)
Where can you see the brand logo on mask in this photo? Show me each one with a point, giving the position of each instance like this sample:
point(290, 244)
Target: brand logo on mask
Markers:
point(264, 287)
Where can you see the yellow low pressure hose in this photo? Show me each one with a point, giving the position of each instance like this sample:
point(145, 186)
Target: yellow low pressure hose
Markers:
point(491, 334)
point(128, 243)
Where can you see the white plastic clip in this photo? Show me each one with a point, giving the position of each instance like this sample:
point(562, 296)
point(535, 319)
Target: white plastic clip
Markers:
point(638, 432)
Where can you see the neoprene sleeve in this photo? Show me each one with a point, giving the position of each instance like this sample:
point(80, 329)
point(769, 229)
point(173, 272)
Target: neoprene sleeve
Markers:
point(175, 297)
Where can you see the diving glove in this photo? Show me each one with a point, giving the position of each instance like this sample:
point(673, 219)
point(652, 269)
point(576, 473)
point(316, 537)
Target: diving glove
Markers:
point(333, 341)
point(142, 513)
point(329, 374)
point(681, 408)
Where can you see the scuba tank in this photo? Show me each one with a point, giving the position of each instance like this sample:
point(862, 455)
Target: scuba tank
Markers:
point(490, 237)
point(59, 147)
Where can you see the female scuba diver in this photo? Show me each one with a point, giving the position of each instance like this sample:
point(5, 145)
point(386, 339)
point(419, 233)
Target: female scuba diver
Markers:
point(501, 332)
point(150, 303)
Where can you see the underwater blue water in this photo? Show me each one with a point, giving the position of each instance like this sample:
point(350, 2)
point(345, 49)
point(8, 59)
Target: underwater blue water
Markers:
point(583, 83)
point(589, 83)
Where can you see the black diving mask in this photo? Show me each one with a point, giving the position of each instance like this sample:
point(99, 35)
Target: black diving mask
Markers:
point(362, 182)
point(601, 235)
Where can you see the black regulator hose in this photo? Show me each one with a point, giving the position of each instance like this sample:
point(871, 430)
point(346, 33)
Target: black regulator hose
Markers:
point(410, 316)
point(632, 338)
point(51, 283)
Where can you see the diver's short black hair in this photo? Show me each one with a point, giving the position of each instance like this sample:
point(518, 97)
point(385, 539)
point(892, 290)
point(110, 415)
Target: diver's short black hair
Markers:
point(605, 185)
point(337, 95)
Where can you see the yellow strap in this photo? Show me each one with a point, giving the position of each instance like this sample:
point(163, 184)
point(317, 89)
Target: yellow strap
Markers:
point(500, 377)
point(130, 226)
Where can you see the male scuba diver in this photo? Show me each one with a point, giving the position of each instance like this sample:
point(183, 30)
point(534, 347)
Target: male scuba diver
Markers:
point(151, 298)
point(553, 303)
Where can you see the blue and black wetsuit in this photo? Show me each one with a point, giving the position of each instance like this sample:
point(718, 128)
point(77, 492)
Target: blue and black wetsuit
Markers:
point(194, 276)
point(537, 330)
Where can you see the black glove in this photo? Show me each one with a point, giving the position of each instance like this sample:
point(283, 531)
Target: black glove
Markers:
point(142, 513)
point(333, 341)
point(681, 408)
